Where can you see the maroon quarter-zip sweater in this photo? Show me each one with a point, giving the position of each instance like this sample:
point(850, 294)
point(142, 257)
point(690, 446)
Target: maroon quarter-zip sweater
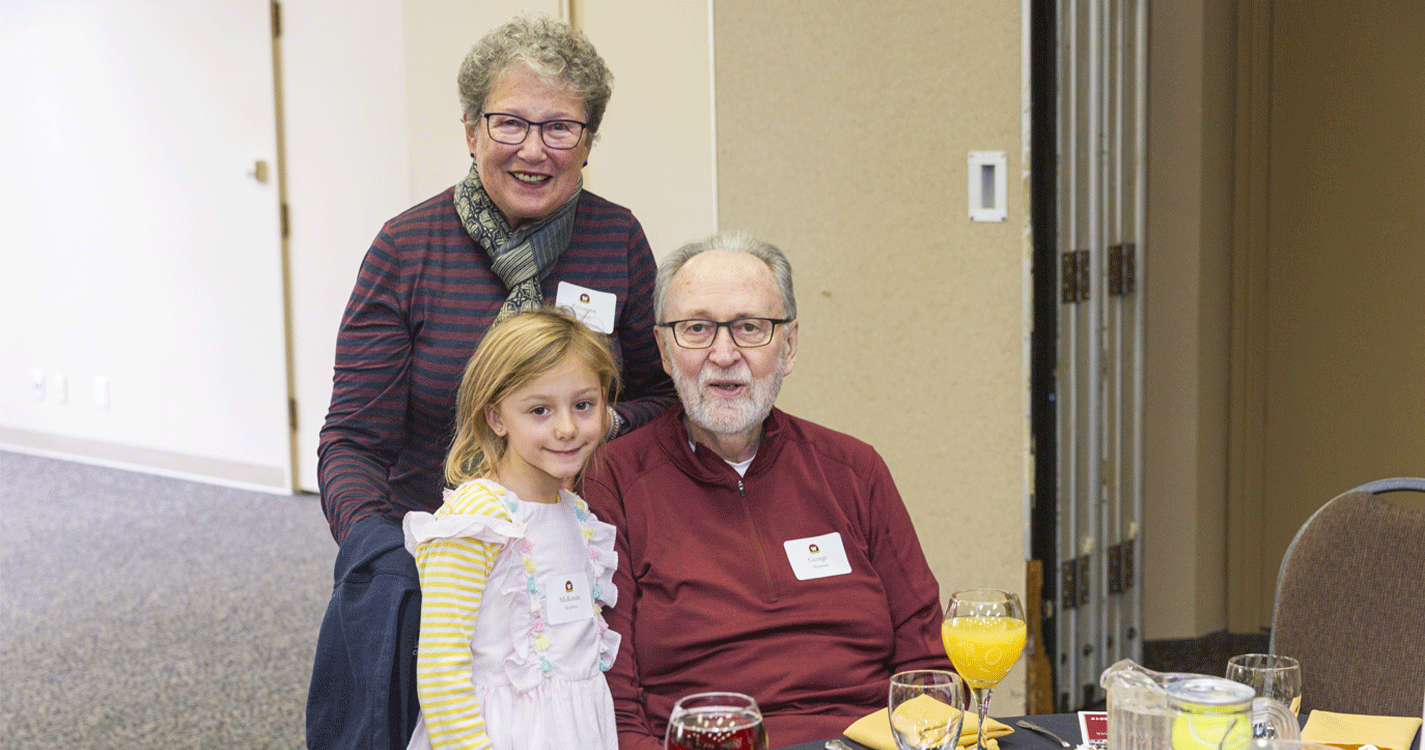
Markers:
point(709, 598)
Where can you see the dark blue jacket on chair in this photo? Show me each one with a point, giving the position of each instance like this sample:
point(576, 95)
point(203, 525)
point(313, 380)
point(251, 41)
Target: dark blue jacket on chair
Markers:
point(363, 691)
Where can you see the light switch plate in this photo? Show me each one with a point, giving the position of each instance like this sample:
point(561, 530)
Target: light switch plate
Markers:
point(987, 186)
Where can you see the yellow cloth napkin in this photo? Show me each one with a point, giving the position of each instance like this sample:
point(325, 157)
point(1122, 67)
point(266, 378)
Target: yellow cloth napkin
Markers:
point(1385, 732)
point(874, 731)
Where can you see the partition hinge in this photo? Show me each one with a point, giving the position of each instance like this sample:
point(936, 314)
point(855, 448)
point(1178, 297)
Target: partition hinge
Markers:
point(1115, 271)
point(1128, 571)
point(1121, 276)
point(1115, 569)
point(1074, 276)
point(1130, 268)
point(1069, 584)
point(1083, 580)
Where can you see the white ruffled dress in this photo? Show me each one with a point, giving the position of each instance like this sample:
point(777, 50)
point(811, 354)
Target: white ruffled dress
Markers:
point(539, 684)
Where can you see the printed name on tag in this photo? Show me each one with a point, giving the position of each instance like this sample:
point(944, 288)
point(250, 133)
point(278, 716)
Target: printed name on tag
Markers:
point(817, 556)
point(567, 598)
point(592, 306)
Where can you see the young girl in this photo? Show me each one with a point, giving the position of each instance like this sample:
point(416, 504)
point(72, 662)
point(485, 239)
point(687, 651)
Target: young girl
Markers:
point(514, 569)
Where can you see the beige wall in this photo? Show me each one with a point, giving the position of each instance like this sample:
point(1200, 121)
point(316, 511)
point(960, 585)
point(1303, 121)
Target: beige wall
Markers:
point(1187, 288)
point(843, 129)
point(437, 36)
point(1343, 255)
point(1284, 254)
point(655, 151)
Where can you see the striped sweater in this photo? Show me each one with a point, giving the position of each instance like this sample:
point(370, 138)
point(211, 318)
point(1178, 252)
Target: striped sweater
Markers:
point(424, 297)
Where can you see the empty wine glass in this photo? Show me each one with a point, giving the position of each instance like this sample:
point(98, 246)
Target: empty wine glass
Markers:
point(927, 709)
point(716, 721)
point(1280, 744)
point(983, 634)
point(1271, 676)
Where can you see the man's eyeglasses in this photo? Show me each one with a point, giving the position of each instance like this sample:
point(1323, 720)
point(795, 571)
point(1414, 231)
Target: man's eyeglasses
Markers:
point(748, 333)
point(511, 130)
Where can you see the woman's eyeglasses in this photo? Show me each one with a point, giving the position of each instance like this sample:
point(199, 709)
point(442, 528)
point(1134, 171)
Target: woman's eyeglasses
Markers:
point(511, 130)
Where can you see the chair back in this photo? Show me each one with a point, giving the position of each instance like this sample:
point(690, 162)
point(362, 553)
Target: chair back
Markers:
point(1350, 604)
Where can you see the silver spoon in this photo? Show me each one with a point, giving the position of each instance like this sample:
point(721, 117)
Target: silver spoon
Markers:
point(1036, 728)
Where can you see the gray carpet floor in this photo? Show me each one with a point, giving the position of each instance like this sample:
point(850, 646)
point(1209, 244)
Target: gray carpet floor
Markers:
point(139, 611)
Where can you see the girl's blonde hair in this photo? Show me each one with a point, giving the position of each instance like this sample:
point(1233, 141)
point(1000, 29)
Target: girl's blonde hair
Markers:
point(513, 354)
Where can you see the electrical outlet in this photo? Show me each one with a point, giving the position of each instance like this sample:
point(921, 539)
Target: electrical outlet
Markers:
point(37, 380)
point(61, 388)
point(101, 392)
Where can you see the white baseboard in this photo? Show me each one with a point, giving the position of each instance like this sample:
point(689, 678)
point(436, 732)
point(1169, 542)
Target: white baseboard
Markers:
point(256, 477)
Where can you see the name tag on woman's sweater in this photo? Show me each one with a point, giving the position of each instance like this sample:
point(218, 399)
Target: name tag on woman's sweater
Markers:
point(817, 556)
point(592, 306)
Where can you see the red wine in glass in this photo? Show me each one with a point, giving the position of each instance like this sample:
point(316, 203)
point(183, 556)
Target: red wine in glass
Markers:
point(716, 721)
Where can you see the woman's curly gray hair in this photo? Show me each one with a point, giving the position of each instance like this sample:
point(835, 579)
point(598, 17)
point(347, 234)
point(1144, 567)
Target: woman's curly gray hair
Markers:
point(552, 50)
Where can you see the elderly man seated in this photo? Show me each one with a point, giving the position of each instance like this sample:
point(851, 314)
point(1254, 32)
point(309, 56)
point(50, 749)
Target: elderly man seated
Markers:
point(758, 552)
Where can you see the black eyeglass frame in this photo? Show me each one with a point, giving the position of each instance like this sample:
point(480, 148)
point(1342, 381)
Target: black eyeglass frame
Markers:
point(724, 324)
point(583, 129)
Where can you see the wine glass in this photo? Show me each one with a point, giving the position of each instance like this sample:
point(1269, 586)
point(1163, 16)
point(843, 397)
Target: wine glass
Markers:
point(983, 633)
point(1280, 744)
point(1271, 676)
point(927, 709)
point(716, 721)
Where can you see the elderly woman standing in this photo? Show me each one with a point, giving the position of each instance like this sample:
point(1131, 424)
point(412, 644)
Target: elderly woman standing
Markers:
point(519, 231)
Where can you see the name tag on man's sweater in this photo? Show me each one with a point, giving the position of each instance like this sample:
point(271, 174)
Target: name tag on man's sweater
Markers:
point(817, 556)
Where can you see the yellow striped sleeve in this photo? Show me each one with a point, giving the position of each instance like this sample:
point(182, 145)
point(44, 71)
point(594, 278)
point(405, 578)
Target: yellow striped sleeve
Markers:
point(453, 575)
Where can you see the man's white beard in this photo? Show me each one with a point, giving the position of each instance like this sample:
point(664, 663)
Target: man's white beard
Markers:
point(729, 416)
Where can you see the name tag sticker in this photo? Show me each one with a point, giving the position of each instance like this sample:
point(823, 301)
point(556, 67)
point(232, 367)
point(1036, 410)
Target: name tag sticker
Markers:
point(817, 556)
point(567, 598)
point(592, 306)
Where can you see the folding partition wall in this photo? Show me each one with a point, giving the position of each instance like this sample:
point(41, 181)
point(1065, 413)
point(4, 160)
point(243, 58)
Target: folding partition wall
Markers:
point(1101, 64)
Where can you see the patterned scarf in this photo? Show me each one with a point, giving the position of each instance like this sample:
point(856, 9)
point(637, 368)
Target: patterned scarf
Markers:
point(522, 257)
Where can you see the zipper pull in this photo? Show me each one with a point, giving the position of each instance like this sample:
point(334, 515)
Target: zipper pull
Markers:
point(740, 491)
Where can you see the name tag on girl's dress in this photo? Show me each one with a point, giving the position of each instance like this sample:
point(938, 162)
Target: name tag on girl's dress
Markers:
point(817, 556)
point(567, 598)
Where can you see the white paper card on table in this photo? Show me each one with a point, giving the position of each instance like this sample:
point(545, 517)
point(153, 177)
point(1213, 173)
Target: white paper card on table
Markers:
point(817, 556)
point(1093, 727)
point(567, 598)
point(592, 306)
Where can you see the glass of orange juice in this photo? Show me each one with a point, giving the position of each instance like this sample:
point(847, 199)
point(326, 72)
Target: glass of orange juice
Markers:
point(983, 634)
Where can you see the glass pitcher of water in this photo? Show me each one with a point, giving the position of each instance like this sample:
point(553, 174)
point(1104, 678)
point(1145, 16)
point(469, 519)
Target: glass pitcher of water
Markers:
point(1150, 710)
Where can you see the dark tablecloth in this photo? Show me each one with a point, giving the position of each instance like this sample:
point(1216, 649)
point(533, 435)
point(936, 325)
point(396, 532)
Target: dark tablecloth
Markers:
point(1064, 725)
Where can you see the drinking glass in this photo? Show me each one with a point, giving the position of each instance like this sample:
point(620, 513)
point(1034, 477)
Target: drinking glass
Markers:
point(983, 633)
point(716, 721)
point(927, 709)
point(1271, 676)
point(1280, 744)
